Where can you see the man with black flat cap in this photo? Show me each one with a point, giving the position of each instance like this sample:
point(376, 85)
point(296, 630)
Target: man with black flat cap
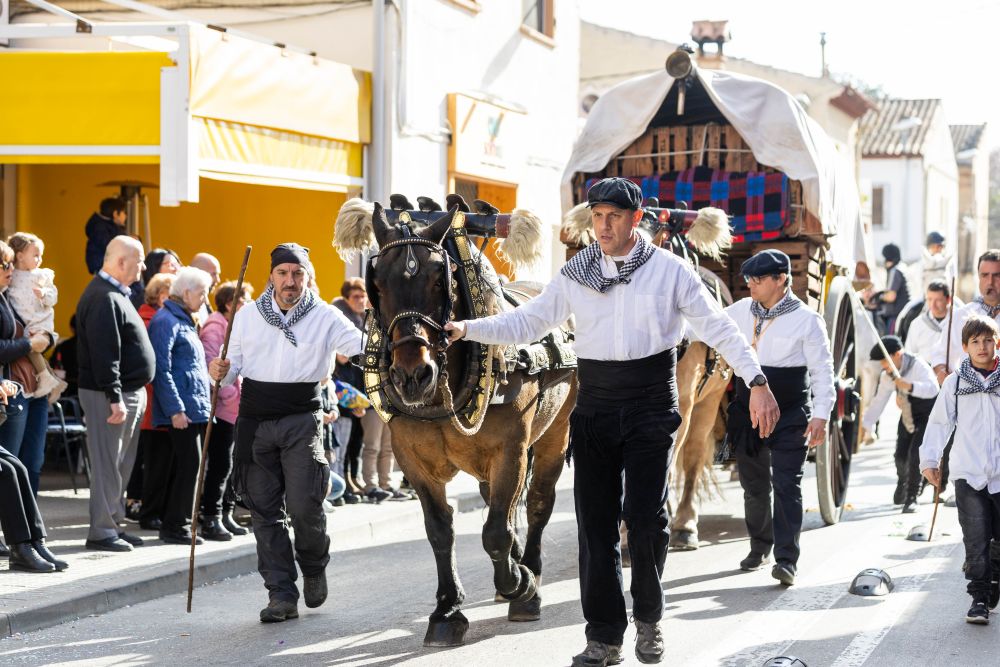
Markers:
point(794, 353)
point(282, 347)
point(630, 300)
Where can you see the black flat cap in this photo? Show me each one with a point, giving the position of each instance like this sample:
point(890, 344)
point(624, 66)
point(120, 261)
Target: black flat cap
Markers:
point(935, 238)
point(619, 192)
point(893, 344)
point(766, 263)
point(289, 253)
point(890, 252)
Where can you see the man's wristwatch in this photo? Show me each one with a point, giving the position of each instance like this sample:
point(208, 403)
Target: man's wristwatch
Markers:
point(758, 381)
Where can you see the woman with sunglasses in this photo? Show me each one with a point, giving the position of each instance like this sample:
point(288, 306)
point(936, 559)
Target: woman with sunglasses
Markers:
point(23, 434)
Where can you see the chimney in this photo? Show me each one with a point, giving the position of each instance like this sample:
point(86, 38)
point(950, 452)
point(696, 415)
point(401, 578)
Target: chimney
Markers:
point(710, 32)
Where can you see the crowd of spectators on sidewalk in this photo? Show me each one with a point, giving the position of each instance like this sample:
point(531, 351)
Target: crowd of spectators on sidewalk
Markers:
point(136, 363)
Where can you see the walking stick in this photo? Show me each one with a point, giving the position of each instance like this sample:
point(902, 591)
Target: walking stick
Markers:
point(196, 510)
point(947, 366)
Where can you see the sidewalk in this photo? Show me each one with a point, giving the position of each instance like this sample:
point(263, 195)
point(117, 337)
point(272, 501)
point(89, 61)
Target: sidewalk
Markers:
point(97, 582)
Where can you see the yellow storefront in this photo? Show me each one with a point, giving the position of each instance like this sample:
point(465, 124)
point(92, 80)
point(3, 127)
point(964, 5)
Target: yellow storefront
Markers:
point(244, 143)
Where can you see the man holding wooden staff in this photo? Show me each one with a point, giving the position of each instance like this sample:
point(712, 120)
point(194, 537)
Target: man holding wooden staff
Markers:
point(282, 347)
point(987, 304)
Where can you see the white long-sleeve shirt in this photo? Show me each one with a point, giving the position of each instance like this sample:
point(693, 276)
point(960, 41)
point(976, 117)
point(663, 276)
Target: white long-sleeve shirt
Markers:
point(629, 321)
point(919, 374)
point(975, 455)
point(956, 354)
point(797, 338)
point(922, 337)
point(260, 351)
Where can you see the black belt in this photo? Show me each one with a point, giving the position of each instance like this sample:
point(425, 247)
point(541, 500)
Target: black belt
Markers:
point(274, 400)
point(650, 380)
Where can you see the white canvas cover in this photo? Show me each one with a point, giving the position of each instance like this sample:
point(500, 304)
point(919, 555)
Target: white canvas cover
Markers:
point(774, 126)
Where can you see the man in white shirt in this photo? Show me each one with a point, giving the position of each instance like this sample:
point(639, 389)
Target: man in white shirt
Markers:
point(925, 329)
point(986, 304)
point(630, 300)
point(794, 353)
point(282, 347)
point(918, 387)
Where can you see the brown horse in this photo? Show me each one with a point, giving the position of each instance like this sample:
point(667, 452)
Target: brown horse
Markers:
point(410, 291)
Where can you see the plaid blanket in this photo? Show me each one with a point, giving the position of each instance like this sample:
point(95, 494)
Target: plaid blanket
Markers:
point(757, 202)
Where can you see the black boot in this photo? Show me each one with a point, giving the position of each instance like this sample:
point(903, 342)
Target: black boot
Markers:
point(4, 551)
point(24, 558)
point(44, 552)
point(229, 523)
point(212, 529)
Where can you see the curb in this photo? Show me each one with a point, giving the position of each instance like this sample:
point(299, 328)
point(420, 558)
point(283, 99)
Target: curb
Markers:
point(239, 561)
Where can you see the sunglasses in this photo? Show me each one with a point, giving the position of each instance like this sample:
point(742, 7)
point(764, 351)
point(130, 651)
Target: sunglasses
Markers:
point(6, 266)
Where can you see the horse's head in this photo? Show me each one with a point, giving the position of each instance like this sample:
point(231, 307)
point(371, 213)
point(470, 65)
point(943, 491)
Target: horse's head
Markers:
point(410, 287)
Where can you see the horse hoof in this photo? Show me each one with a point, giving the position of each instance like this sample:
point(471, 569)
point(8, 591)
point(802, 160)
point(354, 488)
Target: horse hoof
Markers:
point(684, 540)
point(529, 610)
point(450, 632)
point(526, 590)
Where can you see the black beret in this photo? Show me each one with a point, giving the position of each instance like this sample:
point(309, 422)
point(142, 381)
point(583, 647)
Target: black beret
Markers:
point(766, 263)
point(891, 253)
point(935, 238)
point(619, 192)
point(893, 344)
point(289, 253)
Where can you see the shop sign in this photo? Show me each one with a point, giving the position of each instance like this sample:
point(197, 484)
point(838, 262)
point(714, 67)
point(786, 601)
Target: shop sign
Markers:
point(488, 141)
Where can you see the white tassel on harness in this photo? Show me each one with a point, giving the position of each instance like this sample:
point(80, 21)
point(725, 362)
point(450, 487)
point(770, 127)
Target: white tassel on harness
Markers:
point(577, 229)
point(353, 232)
point(523, 245)
point(710, 234)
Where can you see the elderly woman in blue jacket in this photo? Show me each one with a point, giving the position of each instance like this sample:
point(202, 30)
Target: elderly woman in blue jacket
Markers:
point(181, 394)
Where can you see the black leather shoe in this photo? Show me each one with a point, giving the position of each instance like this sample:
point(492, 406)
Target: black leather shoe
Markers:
point(24, 558)
point(899, 494)
point(229, 523)
point(151, 524)
point(4, 551)
point(277, 611)
point(314, 590)
point(109, 544)
point(179, 537)
point(784, 573)
point(212, 529)
point(44, 552)
point(754, 561)
point(910, 506)
point(134, 540)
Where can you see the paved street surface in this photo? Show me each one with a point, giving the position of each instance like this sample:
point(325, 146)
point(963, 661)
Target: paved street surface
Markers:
point(380, 595)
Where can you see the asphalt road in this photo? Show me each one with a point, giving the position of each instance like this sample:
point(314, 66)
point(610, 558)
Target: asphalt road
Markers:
point(380, 597)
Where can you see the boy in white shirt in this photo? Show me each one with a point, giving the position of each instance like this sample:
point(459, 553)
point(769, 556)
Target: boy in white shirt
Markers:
point(969, 405)
point(915, 389)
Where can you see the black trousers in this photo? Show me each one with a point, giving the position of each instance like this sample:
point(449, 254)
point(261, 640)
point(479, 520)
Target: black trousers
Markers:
point(218, 467)
point(908, 456)
point(136, 481)
point(609, 445)
point(777, 465)
point(157, 473)
point(186, 446)
point(352, 453)
point(19, 516)
point(289, 470)
point(979, 516)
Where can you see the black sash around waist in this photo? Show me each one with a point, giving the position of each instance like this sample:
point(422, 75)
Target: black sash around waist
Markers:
point(274, 400)
point(651, 380)
point(921, 407)
point(790, 386)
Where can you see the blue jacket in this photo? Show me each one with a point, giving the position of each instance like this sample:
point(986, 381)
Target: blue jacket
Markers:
point(181, 383)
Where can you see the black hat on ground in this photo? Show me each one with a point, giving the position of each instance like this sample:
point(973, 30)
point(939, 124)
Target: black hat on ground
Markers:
point(766, 263)
point(890, 252)
point(935, 238)
point(893, 344)
point(619, 192)
point(289, 253)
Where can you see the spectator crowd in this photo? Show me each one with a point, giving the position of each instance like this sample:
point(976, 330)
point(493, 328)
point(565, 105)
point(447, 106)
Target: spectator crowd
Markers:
point(136, 368)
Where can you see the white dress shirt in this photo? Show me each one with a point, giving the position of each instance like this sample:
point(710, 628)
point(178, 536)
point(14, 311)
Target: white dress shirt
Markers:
point(956, 354)
point(260, 351)
point(919, 374)
point(797, 338)
point(629, 321)
point(922, 337)
point(975, 455)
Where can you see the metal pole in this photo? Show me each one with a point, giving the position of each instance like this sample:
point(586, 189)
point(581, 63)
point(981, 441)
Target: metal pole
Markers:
point(379, 148)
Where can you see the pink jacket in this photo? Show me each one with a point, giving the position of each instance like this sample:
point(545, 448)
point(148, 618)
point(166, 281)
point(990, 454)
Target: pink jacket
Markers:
point(213, 333)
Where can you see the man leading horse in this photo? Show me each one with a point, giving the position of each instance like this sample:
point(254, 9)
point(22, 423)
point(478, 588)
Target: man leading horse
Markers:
point(630, 300)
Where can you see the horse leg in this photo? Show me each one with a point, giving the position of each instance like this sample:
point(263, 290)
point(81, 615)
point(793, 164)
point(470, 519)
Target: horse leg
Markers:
point(516, 551)
point(690, 369)
point(447, 625)
point(512, 580)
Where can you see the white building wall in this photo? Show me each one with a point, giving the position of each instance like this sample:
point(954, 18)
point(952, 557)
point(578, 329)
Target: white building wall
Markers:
point(903, 180)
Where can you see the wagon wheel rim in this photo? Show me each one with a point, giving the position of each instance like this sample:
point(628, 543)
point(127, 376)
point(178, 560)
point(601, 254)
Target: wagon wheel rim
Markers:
point(843, 425)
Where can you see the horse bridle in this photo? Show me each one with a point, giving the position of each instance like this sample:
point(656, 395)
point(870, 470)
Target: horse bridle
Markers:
point(411, 269)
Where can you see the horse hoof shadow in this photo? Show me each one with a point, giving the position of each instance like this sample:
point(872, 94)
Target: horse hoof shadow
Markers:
point(447, 633)
point(529, 610)
point(684, 541)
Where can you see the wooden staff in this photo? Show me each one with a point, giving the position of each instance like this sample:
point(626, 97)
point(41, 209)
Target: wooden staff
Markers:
point(196, 510)
point(947, 367)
